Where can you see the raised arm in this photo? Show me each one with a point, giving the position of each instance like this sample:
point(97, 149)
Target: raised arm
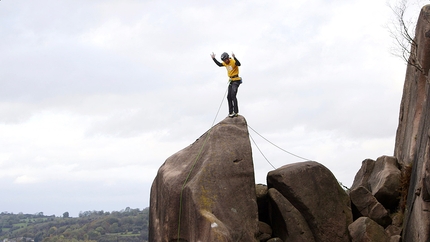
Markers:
point(215, 60)
point(235, 59)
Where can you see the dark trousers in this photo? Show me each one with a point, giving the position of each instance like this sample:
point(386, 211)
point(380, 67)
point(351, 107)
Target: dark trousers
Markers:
point(231, 97)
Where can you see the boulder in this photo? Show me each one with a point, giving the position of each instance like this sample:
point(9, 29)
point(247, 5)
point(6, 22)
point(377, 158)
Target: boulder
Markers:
point(365, 229)
point(265, 231)
point(206, 192)
point(369, 206)
point(363, 175)
point(382, 179)
point(385, 181)
point(314, 191)
point(288, 223)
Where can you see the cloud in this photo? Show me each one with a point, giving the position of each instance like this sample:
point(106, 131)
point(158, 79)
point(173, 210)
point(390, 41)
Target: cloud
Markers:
point(25, 179)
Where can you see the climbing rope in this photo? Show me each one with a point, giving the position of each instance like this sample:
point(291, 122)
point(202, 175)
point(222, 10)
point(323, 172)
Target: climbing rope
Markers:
point(340, 183)
point(278, 146)
point(194, 163)
point(260, 151)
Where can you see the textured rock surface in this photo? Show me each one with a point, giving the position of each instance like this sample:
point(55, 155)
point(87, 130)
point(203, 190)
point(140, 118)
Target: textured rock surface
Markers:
point(369, 206)
point(218, 202)
point(288, 223)
point(396, 238)
point(385, 181)
point(393, 230)
point(313, 190)
point(381, 178)
point(366, 230)
point(412, 138)
point(363, 175)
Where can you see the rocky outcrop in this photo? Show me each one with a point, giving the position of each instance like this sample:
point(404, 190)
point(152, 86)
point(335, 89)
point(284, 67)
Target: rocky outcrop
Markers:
point(413, 134)
point(206, 192)
point(375, 198)
point(306, 203)
point(312, 204)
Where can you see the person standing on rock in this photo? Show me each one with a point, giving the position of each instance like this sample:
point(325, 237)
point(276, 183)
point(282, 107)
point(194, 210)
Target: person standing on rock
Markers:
point(232, 66)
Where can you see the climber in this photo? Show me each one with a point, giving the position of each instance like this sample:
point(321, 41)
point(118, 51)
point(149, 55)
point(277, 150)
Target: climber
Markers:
point(232, 66)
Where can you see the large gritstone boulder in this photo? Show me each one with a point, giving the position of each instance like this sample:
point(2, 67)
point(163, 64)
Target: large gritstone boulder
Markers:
point(206, 192)
point(316, 194)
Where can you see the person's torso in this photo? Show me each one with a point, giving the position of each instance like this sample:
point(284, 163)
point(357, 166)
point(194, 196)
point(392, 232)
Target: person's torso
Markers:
point(232, 70)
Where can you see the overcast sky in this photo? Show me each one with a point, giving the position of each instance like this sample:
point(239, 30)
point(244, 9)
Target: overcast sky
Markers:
point(96, 95)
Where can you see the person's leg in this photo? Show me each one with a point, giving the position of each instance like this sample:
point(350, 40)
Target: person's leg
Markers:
point(235, 89)
point(229, 98)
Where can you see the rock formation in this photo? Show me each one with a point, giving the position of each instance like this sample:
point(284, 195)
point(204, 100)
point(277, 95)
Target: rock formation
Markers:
point(375, 200)
point(207, 190)
point(319, 206)
point(413, 134)
point(375, 189)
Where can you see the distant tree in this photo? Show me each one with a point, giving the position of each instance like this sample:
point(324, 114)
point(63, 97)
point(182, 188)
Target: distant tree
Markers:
point(85, 214)
point(66, 215)
point(112, 220)
point(38, 237)
point(114, 228)
point(100, 230)
point(52, 230)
